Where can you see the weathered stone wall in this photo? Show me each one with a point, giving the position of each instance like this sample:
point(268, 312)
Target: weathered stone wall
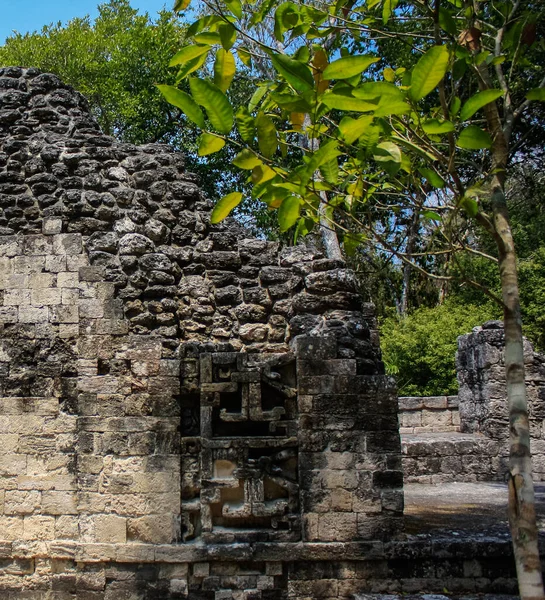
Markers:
point(483, 396)
point(428, 414)
point(184, 412)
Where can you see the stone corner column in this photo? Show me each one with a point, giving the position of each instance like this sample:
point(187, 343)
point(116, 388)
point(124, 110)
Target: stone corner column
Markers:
point(350, 454)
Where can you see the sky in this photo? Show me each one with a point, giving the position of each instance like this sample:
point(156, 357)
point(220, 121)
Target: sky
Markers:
point(30, 15)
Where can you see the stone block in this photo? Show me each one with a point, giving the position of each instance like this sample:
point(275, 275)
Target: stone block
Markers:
point(341, 500)
point(67, 527)
point(51, 226)
point(17, 297)
point(8, 314)
point(68, 330)
point(9, 245)
point(67, 279)
point(153, 529)
point(59, 503)
point(11, 528)
point(27, 265)
point(110, 529)
point(201, 569)
point(12, 464)
point(17, 502)
point(337, 527)
point(315, 348)
point(37, 245)
point(39, 281)
point(75, 262)
point(45, 297)
point(38, 527)
point(29, 315)
point(62, 314)
point(436, 418)
point(91, 309)
point(67, 243)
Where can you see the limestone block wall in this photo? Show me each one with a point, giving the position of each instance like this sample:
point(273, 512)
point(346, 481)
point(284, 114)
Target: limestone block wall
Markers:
point(184, 411)
point(428, 414)
point(483, 396)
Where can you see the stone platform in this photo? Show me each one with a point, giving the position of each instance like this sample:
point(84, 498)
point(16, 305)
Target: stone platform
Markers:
point(439, 457)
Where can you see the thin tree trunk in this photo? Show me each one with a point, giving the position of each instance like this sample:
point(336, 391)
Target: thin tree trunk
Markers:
point(412, 234)
point(522, 514)
point(329, 236)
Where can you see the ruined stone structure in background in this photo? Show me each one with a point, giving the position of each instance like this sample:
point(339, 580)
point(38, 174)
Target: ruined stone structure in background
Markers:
point(466, 437)
point(183, 412)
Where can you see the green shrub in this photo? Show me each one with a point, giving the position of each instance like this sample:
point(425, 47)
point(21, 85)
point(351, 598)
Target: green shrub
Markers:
point(420, 348)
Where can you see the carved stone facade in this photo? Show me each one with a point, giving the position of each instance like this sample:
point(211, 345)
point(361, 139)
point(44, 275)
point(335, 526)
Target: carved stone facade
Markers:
point(184, 412)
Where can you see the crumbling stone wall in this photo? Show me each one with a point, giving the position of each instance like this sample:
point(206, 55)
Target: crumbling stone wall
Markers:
point(483, 397)
point(184, 412)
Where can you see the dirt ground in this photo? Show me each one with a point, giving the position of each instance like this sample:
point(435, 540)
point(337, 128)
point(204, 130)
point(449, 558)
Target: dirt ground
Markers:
point(479, 508)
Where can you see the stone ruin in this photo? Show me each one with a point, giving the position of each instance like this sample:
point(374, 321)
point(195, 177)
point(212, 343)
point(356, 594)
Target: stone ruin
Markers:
point(466, 437)
point(185, 412)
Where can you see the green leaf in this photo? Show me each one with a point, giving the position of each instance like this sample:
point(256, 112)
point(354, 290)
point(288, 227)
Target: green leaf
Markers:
point(474, 138)
point(209, 144)
point(325, 153)
point(431, 215)
point(446, 22)
point(346, 67)
point(246, 160)
point(294, 72)
point(288, 213)
point(436, 127)
point(304, 227)
point(291, 102)
point(180, 5)
point(351, 129)
point(414, 147)
point(388, 155)
point(351, 242)
point(235, 7)
point(432, 177)
point(190, 66)
point(184, 102)
point(477, 101)
point(389, 99)
point(245, 124)
point(245, 57)
point(224, 69)
point(459, 68)
point(267, 137)
point(202, 24)
point(455, 105)
point(228, 35)
point(262, 173)
point(387, 151)
point(389, 74)
point(536, 94)
point(188, 53)
point(257, 96)
point(214, 101)
point(285, 17)
point(347, 102)
point(387, 9)
point(428, 72)
point(330, 171)
point(470, 206)
point(225, 206)
point(208, 37)
point(369, 138)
